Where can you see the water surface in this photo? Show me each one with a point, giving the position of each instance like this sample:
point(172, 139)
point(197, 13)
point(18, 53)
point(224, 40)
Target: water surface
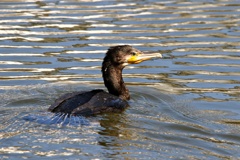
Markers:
point(184, 106)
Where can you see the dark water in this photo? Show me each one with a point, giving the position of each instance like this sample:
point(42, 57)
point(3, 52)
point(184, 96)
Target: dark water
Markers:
point(184, 106)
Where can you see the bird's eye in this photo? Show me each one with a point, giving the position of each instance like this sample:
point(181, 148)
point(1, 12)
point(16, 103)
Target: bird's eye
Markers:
point(134, 53)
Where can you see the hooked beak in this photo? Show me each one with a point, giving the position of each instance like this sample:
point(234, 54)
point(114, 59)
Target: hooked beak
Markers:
point(138, 58)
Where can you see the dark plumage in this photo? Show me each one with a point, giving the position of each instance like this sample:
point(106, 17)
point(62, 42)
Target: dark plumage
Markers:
point(98, 101)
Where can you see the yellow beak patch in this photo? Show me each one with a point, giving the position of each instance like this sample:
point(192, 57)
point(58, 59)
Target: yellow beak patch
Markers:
point(134, 60)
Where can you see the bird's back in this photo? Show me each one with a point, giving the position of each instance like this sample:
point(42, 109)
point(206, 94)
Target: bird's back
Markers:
point(88, 103)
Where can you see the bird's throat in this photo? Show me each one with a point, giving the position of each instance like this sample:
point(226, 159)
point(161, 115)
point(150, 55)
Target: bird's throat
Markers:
point(112, 76)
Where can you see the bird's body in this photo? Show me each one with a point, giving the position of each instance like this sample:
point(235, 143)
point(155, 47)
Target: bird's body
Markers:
point(88, 103)
point(98, 101)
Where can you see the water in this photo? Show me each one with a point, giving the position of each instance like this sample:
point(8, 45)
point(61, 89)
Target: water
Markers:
point(184, 106)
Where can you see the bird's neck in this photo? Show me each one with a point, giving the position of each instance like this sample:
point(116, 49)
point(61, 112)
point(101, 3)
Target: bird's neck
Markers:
point(112, 76)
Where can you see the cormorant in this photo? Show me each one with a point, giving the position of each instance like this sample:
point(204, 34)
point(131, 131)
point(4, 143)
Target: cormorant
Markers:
point(88, 103)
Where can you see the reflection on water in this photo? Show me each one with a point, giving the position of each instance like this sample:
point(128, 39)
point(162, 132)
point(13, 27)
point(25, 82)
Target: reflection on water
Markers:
point(193, 112)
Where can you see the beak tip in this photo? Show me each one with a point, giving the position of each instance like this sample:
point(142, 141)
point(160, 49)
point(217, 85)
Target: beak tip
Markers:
point(160, 55)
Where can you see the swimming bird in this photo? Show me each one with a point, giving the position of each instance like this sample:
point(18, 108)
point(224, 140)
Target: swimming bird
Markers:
point(89, 103)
